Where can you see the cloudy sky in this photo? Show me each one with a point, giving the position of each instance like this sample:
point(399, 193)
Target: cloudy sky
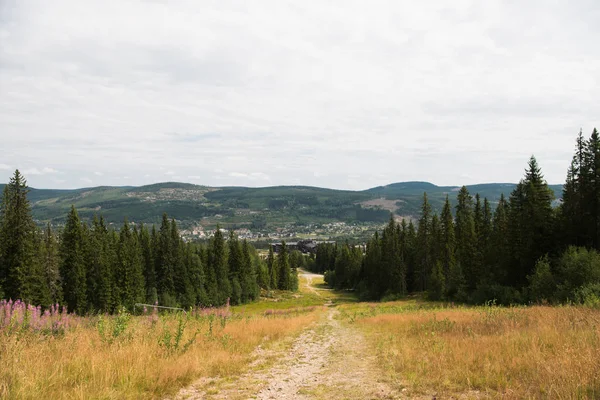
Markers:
point(343, 94)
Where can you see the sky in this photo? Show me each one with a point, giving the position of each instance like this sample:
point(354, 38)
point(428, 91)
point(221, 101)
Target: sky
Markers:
point(340, 94)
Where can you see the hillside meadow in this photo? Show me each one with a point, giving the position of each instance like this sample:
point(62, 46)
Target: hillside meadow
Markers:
point(422, 349)
point(141, 357)
point(449, 351)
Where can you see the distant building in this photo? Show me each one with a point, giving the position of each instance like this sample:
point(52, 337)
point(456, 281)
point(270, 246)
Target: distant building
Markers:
point(305, 246)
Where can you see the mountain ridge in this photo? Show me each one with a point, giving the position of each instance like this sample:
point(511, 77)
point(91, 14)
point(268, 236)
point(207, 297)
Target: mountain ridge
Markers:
point(250, 206)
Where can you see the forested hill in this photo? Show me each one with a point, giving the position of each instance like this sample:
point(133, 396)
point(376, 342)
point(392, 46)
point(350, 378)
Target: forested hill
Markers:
point(241, 206)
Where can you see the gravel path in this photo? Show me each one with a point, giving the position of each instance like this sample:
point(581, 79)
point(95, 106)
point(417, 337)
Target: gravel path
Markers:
point(329, 360)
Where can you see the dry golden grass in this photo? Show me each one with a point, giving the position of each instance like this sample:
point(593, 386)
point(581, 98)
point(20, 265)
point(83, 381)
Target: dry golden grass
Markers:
point(513, 353)
point(80, 365)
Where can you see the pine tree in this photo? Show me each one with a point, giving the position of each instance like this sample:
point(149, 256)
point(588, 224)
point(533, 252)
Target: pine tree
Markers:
point(129, 277)
point(100, 272)
point(284, 268)
point(411, 256)
point(183, 291)
point(218, 262)
point(250, 290)
point(50, 263)
point(465, 237)
point(500, 245)
point(165, 264)
point(531, 222)
point(271, 267)
point(424, 263)
point(73, 268)
point(448, 247)
point(20, 275)
point(148, 264)
point(234, 263)
point(197, 276)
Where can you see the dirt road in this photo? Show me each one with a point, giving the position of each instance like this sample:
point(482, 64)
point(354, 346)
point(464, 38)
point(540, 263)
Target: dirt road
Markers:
point(329, 360)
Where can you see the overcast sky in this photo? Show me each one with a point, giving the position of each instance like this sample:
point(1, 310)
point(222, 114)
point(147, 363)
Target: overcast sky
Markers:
point(342, 94)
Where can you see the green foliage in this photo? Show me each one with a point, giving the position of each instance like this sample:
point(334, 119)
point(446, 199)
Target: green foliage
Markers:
point(578, 267)
point(283, 263)
point(73, 266)
point(542, 286)
point(20, 272)
point(437, 283)
point(173, 342)
point(114, 328)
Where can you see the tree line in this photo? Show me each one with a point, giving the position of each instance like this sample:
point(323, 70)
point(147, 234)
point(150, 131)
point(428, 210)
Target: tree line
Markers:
point(523, 250)
point(94, 268)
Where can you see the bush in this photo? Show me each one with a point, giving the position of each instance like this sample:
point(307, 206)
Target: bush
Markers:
point(576, 268)
point(588, 295)
point(542, 286)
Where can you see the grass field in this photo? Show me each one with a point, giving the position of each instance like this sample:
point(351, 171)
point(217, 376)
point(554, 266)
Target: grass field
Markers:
point(145, 356)
point(484, 352)
point(421, 349)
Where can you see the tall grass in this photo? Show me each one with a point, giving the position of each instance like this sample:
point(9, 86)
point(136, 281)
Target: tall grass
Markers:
point(127, 357)
point(515, 353)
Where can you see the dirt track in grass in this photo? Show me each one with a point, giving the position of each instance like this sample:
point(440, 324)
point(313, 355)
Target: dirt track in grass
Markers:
point(328, 360)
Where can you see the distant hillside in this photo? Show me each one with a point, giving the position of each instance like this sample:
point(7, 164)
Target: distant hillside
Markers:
point(239, 206)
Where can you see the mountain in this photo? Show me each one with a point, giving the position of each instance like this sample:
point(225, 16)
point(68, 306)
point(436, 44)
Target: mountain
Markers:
point(244, 206)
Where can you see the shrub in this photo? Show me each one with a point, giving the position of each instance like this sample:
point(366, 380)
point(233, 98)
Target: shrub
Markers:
point(576, 268)
point(542, 286)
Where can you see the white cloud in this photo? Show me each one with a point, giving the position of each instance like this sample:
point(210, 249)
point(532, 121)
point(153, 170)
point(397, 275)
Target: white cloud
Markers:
point(97, 173)
point(450, 94)
point(36, 171)
point(86, 180)
point(5, 167)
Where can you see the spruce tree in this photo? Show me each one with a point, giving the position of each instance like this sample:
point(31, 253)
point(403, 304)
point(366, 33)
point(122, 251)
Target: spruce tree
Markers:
point(271, 267)
point(218, 262)
point(465, 238)
point(448, 247)
point(424, 263)
point(20, 275)
point(129, 277)
point(250, 290)
point(165, 263)
point(100, 273)
point(531, 222)
point(73, 266)
point(284, 268)
point(50, 262)
point(148, 263)
point(234, 263)
point(500, 244)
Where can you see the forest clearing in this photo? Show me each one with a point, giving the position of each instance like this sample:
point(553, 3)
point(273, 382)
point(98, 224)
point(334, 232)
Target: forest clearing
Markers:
point(315, 344)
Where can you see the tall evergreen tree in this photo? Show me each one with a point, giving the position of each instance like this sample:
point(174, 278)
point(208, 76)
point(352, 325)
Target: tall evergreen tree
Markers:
point(20, 276)
point(448, 256)
point(284, 268)
point(165, 263)
point(465, 237)
point(73, 266)
point(250, 290)
point(218, 262)
point(148, 264)
point(234, 263)
point(531, 222)
point(100, 271)
point(129, 277)
point(424, 263)
point(50, 262)
point(271, 267)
